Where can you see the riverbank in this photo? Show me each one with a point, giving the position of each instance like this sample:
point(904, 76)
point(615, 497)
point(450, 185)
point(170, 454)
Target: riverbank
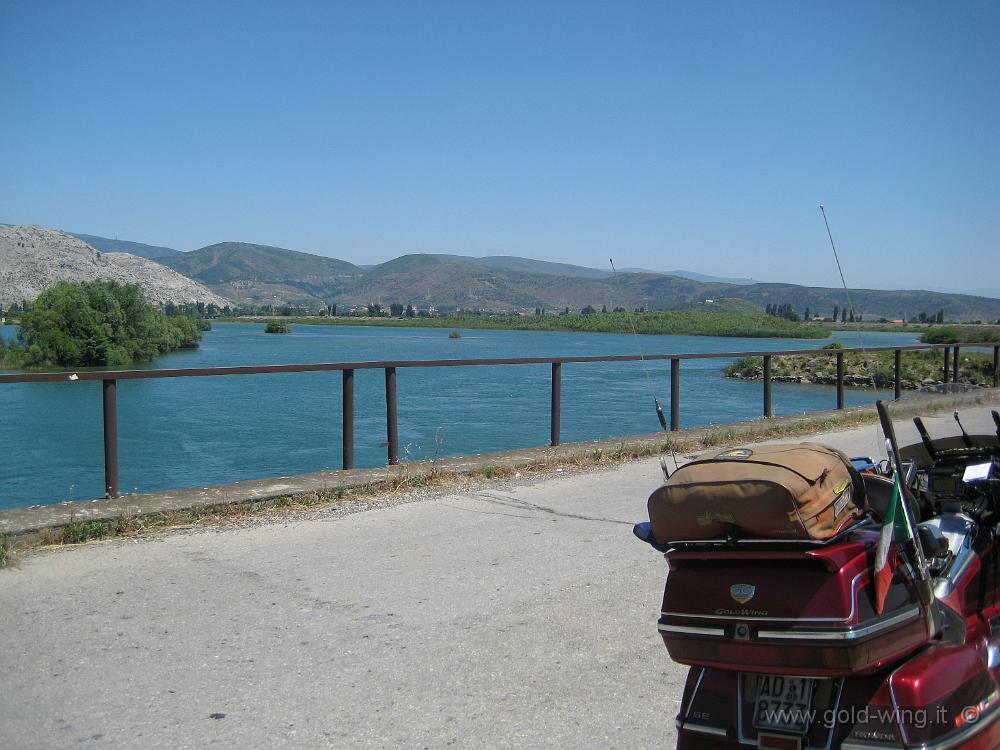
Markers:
point(669, 323)
point(917, 368)
point(25, 529)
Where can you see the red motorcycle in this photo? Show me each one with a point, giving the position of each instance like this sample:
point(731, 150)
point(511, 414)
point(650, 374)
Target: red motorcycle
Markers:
point(827, 602)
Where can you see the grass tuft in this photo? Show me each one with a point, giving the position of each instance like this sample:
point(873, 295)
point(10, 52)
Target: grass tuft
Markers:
point(83, 531)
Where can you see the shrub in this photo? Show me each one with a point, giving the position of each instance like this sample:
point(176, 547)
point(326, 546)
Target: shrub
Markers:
point(746, 367)
point(454, 335)
point(276, 326)
point(945, 335)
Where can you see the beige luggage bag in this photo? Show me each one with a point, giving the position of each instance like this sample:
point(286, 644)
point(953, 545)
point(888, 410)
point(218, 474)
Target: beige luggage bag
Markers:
point(797, 491)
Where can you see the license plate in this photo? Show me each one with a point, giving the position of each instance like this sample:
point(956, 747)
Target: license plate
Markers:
point(784, 704)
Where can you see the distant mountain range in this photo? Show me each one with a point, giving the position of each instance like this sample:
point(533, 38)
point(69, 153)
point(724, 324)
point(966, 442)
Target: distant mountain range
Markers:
point(104, 244)
point(247, 273)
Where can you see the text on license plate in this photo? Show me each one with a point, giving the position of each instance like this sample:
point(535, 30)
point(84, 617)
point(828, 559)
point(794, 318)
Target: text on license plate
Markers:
point(784, 703)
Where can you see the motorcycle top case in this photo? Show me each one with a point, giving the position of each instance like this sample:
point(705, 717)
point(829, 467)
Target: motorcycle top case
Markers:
point(801, 491)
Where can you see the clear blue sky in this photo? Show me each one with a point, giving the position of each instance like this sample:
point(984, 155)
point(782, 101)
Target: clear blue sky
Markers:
point(699, 136)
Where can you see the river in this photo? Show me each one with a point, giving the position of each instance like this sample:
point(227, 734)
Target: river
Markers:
point(184, 432)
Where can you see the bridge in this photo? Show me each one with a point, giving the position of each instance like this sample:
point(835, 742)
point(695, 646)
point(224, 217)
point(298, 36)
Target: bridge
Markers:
point(518, 613)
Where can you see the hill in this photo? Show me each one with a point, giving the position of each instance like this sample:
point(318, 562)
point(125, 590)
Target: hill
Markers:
point(453, 281)
point(262, 274)
point(33, 259)
point(249, 273)
point(107, 245)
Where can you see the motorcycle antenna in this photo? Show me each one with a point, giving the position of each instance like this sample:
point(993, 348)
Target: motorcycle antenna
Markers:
point(836, 257)
point(649, 386)
point(965, 436)
point(642, 358)
point(926, 587)
point(850, 304)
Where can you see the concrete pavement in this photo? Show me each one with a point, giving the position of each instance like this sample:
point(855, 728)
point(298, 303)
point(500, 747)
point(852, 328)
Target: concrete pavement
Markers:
point(512, 614)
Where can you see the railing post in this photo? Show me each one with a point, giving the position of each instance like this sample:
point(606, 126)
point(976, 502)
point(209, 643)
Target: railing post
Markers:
point(947, 362)
point(996, 366)
point(110, 438)
point(767, 386)
point(840, 380)
point(954, 369)
point(899, 374)
point(391, 425)
point(556, 403)
point(675, 394)
point(348, 417)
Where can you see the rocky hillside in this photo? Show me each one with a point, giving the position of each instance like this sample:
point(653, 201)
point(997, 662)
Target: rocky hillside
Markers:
point(32, 259)
point(262, 275)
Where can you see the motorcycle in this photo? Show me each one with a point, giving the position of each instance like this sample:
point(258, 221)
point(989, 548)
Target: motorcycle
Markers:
point(876, 627)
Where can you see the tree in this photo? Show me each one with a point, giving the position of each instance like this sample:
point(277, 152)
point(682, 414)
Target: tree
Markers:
point(374, 310)
point(604, 308)
point(852, 314)
point(806, 316)
point(99, 323)
point(940, 315)
point(843, 315)
point(410, 313)
point(396, 310)
point(588, 310)
point(836, 312)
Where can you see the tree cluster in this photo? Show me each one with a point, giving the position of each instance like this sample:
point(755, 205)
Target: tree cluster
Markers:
point(926, 317)
point(782, 311)
point(96, 324)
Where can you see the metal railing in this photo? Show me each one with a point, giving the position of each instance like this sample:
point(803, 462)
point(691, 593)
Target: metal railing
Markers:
point(110, 378)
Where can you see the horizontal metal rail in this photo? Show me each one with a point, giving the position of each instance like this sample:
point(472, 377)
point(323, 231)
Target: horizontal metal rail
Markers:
point(109, 378)
point(187, 372)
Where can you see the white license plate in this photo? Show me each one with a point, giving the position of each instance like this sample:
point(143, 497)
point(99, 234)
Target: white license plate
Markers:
point(784, 704)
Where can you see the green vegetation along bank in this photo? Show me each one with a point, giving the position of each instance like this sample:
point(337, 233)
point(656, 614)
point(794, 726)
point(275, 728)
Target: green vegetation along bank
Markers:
point(95, 324)
point(962, 335)
point(917, 368)
point(676, 323)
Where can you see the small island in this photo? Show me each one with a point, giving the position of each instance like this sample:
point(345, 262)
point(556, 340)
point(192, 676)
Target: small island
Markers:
point(655, 322)
point(917, 369)
point(277, 326)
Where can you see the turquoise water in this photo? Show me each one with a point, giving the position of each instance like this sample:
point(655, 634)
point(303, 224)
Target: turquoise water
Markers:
point(187, 432)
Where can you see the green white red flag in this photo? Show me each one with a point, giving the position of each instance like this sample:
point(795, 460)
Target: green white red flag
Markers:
point(894, 529)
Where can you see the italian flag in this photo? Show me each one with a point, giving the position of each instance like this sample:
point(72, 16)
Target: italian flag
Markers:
point(894, 529)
